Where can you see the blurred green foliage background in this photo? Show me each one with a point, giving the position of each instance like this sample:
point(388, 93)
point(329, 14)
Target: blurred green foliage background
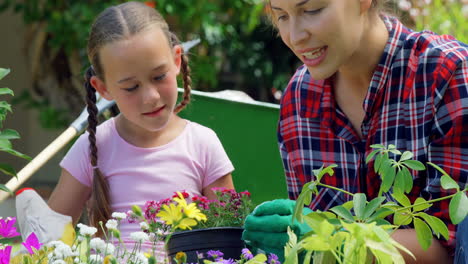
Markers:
point(239, 48)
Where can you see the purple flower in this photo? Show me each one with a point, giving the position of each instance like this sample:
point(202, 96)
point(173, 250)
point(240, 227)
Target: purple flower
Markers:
point(32, 242)
point(215, 254)
point(6, 227)
point(247, 254)
point(226, 261)
point(273, 259)
point(5, 255)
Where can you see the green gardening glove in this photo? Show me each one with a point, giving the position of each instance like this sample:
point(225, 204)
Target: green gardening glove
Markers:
point(266, 227)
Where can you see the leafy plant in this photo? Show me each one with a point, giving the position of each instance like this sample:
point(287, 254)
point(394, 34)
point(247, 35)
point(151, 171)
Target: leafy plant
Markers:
point(7, 134)
point(441, 16)
point(357, 231)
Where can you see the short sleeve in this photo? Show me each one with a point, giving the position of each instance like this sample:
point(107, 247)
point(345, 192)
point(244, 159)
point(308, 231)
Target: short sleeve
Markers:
point(77, 162)
point(217, 162)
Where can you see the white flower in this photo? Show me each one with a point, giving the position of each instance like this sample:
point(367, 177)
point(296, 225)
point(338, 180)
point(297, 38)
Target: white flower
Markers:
point(59, 261)
point(445, 26)
point(63, 251)
point(76, 260)
point(414, 12)
point(95, 258)
point(97, 244)
point(144, 226)
point(86, 230)
point(119, 216)
point(109, 250)
point(139, 236)
point(465, 10)
point(404, 5)
point(141, 259)
point(112, 224)
point(54, 243)
point(160, 232)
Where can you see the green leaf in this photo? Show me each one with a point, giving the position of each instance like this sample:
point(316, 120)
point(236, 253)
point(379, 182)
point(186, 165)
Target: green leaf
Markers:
point(388, 175)
point(414, 164)
point(380, 213)
point(423, 233)
point(9, 134)
point(301, 201)
point(15, 153)
point(423, 204)
point(402, 217)
point(8, 169)
point(4, 91)
point(449, 183)
point(378, 162)
point(348, 205)
point(372, 206)
point(4, 72)
point(377, 146)
point(5, 144)
point(5, 189)
point(343, 213)
point(399, 184)
point(458, 207)
point(359, 203)
point(406, 156)
point(437, 225)
point(6, 106)
point(371, 155)
point(328, 170)
point(402, 199)
point(408, 179)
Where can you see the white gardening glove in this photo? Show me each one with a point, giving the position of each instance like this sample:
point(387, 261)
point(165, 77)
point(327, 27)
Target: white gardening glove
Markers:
point(34, 215)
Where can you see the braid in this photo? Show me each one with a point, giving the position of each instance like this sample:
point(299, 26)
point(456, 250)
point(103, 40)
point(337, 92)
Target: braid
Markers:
point(100, 201)
point(187, 80)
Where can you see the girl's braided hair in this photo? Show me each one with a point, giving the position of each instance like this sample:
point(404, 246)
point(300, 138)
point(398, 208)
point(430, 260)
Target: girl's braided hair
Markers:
point(113, 24)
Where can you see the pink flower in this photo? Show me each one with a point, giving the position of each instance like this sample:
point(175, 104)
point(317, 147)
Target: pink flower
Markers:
point(32, 242)
point(6, 227)
point(5, 255)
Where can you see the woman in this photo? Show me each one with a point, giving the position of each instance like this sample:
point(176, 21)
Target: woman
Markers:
point(366, 80)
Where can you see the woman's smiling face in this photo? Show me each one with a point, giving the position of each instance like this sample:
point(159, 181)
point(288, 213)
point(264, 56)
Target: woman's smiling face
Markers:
point(323, 34)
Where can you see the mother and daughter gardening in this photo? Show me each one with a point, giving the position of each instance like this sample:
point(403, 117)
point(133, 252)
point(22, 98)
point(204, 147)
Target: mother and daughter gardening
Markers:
point(372, 133)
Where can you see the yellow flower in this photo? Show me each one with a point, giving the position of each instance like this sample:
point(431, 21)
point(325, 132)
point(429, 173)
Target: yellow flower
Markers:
point(171, 214)
point(192, 211)
point(186, 223)
point(180, 257)
point(180, 200)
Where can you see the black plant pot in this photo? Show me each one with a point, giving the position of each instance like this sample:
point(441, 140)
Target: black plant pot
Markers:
point(225, 239)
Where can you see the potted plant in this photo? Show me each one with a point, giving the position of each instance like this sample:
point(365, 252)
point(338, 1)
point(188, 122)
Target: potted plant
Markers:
point(358, 231)
point(218, 226)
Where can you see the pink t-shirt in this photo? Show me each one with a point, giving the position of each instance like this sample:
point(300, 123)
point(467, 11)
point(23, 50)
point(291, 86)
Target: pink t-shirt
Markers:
point(190, 162)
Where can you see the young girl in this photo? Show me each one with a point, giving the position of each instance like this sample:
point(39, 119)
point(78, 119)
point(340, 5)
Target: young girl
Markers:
point(367, 79)
point(147, 152)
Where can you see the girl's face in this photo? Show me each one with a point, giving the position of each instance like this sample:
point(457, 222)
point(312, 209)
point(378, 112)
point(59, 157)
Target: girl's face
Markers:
point(323, 34)
point(140, 75)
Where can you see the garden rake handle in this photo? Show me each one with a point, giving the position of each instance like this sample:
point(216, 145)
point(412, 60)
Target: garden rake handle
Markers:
point(75, 128)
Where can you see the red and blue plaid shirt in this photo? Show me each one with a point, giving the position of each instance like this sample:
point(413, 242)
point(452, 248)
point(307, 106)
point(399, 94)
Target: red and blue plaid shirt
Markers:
point(417, 100)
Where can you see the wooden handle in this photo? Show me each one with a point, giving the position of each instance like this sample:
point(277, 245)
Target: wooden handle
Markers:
point(38, 161)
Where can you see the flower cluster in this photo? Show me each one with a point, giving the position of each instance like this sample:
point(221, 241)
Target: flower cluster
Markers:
point(229, 209)
point(216, 257)
point(158, 221)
